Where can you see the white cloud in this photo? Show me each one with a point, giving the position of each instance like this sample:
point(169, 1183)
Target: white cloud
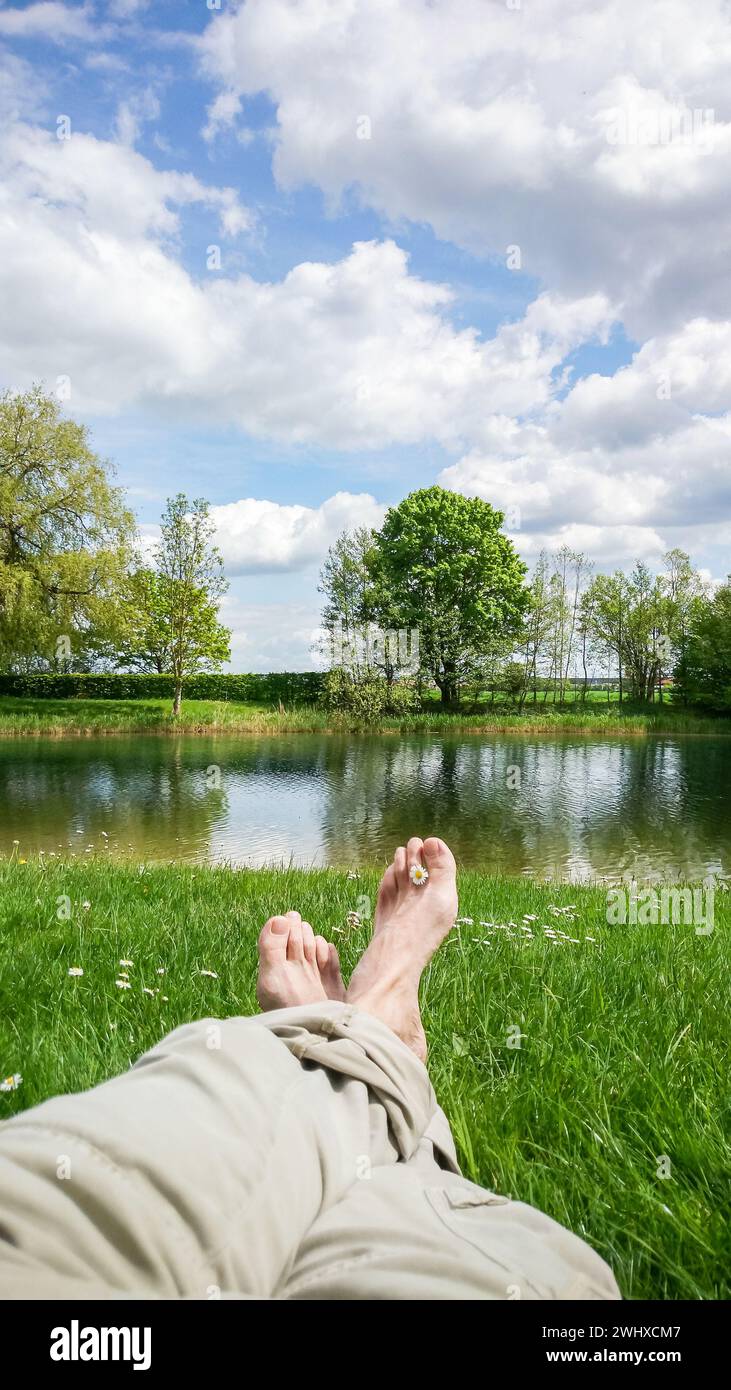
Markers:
point(127, 9)
point(49, 20)
point(566, 128)
point(21, 91)
point(355, 353)
point(620, 459)
point(134, 112)
point(271, 636)
point(359, 353)
point(257, 536)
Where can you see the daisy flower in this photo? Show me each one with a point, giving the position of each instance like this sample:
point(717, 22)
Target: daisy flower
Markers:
point(126, 962)
point(418, 874)
point(210, 973)
point(123, 984)
point(75, 970)
point(11, 1083)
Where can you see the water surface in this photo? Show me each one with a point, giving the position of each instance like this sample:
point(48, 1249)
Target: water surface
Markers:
point(570, 807)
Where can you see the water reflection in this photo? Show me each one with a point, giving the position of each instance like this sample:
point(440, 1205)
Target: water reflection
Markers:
point(570, 808)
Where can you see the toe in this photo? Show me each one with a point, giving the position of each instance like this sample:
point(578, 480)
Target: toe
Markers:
point(295, 942)
point(322, 953)
point(438, 854)
point(273, 936)
point(399, 867)
point(438, 857)
point(308, 943)
point(333, 976)
point(414, 853)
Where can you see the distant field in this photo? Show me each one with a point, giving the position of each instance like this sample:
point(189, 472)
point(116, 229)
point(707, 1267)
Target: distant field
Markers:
point(624, 1046)
point(71, 718)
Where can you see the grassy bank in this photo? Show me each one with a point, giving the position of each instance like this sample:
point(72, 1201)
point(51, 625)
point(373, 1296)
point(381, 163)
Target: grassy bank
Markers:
point(623, 1051)
point(82, 718)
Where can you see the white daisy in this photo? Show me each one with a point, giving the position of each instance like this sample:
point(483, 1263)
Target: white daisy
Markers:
point(123, 984)
point(418, 874)
point(75, 970)
point(11, 1083)
point(210, 973)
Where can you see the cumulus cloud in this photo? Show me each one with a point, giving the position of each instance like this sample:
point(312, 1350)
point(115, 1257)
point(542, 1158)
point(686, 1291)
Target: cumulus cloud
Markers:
point(257, 536)
point(592, 134)
point(621, 459)
point(356, 353)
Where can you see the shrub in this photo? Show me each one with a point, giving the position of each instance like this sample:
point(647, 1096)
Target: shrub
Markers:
point(366, 699)
point(286, 686)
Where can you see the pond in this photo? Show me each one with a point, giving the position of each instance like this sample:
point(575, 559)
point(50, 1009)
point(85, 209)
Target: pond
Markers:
point(570, 808)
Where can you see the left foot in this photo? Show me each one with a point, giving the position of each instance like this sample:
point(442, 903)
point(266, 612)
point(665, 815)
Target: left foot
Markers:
point(295, 966)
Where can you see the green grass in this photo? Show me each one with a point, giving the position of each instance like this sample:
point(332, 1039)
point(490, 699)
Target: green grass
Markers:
point(69, 718)
point(624, 1052)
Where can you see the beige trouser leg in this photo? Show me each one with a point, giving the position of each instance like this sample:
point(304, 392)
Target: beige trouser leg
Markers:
point(258, 1157)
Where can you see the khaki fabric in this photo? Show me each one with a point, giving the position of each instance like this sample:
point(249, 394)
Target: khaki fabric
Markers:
point(299, 1154)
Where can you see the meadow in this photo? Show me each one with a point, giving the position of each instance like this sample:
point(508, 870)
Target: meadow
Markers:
point(22, 717)
point(577, 1062)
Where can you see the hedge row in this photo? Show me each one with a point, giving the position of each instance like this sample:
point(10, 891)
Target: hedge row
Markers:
point(287, 686)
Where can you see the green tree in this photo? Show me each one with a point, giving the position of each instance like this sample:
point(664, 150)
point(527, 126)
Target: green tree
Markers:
point(180, 621)
point(65, 540)
point(346, 586)
point(642, 621)
point(146, 640)
point(442, 567)
point(703, 673)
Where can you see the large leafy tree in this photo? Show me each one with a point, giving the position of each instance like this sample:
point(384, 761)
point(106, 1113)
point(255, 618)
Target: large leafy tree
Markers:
point(442, 565)
point(65, 539)
point(179, 617)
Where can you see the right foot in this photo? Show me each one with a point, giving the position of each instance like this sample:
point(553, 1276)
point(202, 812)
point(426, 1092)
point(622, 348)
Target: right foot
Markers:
point(411, 923)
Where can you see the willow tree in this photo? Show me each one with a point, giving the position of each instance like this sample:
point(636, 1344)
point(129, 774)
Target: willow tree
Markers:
point(65, 539)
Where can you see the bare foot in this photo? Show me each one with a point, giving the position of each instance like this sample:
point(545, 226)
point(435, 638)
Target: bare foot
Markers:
point(295, 966)
point(411, 923)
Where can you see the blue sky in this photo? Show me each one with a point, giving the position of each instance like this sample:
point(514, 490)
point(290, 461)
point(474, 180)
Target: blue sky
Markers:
point(306, 384)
